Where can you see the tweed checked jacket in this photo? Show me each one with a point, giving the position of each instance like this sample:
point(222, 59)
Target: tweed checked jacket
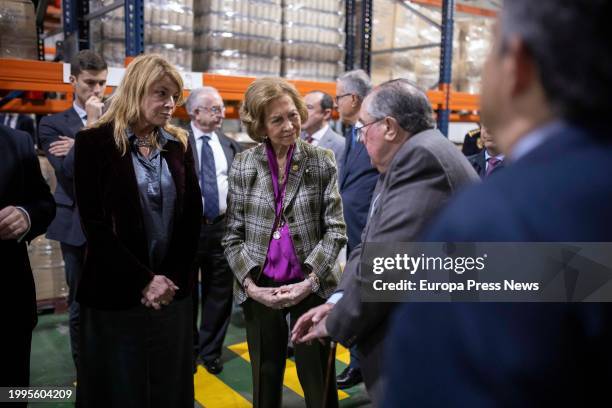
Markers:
point(312, 208)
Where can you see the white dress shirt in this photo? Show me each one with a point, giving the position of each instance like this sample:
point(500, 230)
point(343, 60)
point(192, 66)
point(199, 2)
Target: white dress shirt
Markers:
point(220, 164)
point(81, 112)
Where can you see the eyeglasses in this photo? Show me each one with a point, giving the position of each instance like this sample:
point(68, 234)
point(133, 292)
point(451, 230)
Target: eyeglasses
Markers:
point(360, 130)
point(338, 97)
point(217, 110)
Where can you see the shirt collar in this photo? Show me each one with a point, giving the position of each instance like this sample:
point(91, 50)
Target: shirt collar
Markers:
point(197, 133)
point(80, 111)
point(319, 133)
point(535, 138)
point(499, 157)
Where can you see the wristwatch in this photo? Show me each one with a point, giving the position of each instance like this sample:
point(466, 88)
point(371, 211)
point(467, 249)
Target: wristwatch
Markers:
point(314, 282)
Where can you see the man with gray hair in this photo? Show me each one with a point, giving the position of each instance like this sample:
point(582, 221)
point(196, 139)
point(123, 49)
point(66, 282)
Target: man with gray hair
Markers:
point(357, 180)
point(420, 170)
point(213, 154)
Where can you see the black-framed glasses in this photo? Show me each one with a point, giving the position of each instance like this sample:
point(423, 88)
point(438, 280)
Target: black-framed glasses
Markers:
point(217, 110)
point(338, 97)
point(360, 130)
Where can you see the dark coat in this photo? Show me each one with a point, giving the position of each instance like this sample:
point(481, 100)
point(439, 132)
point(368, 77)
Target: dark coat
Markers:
point(21, 185)
point(357, 181)
point(66, 227)
point(116, 266)
point(515, 354)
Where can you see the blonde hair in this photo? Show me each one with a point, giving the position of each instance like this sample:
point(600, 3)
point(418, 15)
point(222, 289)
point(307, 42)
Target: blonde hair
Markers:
point(124, 109)
point(259, 95)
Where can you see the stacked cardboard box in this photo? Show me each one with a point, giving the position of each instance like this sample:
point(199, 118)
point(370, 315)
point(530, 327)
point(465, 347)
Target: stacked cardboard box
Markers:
point(313, 39)
point(238, 37)
point(17, 29)
point(168, 30)
point(396, 27)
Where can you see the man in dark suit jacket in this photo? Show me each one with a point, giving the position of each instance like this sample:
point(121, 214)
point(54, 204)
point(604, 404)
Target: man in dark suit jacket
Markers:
point(420, 169)
point(490, 159)
point(26, 209)
point(357, 181)
point(213, 153)
point(316, 129)
point(56, 135)
point(20, 122)
point(557, 188)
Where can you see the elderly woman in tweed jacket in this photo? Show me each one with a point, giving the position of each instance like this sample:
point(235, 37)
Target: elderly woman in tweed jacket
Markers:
point(284, 231)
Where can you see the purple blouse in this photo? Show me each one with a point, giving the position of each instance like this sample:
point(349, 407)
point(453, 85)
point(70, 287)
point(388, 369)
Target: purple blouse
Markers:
point(282, 264)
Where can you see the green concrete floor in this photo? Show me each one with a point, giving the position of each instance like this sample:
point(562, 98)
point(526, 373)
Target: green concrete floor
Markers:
point(51, 364)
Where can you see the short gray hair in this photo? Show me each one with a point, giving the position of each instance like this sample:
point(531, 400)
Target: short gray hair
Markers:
point(356, 82)
point(404, 102)
point(194, 97)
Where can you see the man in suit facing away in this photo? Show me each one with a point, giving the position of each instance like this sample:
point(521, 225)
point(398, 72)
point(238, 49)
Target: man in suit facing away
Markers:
point(20, 122)
point(357, 180)
point(420, 170)
point(548, 107)
point(490, 159)
point(213, 153)
point(26, 209)
point(56, 133)
point(316, 129)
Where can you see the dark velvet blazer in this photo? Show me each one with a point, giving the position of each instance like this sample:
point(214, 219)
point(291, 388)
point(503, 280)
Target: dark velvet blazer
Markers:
point(116, 263)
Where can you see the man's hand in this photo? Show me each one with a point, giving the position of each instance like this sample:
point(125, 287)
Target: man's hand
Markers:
point(311, 325)
point(62, 146)
point(94, 108)
point(160, 291)
point(13, 223)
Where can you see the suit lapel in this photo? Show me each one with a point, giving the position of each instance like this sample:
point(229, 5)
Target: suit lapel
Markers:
point(263, 173)
point(194, 150)
point(295, 173)
point(227, 148)
point(127, 178)
point(74, 121)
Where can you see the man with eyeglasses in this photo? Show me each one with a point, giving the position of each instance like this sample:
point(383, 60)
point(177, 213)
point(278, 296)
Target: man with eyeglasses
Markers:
point(420, 169)
point(213, 154)
point(316, 128)
point(357, 180)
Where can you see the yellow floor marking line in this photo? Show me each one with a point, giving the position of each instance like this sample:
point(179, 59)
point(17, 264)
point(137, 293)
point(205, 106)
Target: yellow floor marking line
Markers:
point(290, 379)
point(211, 392)
point(343, 354)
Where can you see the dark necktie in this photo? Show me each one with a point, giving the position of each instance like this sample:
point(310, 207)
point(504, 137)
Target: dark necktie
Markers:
point(493, 162)
point(309, 139)
point(208, 176)
point(349, 133)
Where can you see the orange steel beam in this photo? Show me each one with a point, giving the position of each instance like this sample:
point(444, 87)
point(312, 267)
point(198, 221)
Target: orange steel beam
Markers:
point(31, 75)
point(463, 8)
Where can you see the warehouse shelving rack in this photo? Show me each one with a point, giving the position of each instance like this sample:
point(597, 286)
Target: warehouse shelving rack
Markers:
point(30, 75)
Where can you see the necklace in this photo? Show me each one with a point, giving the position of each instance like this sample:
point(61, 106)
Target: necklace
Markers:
point(143, 142)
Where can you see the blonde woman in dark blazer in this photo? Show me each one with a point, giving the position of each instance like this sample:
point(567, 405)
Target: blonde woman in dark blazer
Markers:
point(140, 206)
point(284, 231)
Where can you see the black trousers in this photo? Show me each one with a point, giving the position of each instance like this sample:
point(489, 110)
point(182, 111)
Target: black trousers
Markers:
point(15, 370)
point(267, 336)
point(214, 294)
point(74, 256)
